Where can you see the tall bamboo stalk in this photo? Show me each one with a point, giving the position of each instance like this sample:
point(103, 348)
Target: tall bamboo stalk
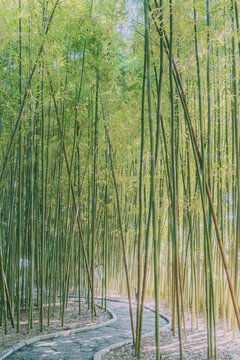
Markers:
point(19, 259)
point(153, 199)
point(122, 237)
point(174, 185)
point(140, 226)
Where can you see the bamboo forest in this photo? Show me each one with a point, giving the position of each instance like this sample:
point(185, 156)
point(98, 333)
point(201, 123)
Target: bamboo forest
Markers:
point(119, 179)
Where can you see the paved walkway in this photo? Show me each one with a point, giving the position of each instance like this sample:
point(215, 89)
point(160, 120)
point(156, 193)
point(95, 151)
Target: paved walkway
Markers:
point(84, 345)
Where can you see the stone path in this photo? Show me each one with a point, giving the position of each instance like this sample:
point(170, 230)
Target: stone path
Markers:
point(84, 345)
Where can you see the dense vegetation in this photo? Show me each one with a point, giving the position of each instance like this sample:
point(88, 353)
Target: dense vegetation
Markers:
point(119, 138)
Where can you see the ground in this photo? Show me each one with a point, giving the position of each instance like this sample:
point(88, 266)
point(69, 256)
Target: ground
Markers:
point(86, 344)
point(195, 348)
point(72, 321)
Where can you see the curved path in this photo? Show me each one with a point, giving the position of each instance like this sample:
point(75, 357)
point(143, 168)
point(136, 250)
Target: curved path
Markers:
point(84, 345)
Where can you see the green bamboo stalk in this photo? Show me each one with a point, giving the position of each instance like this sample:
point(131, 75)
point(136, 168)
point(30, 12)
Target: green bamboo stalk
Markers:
point(122, 236)
point(94, 192)
point(3, 295)
point(19, 175)
point(174, 185)
point(106, 235)
point(153, 199)
point(140, 223)
point(32, 248)
point(235, 120)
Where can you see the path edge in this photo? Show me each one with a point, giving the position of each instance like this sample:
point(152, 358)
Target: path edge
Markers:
point(98, 355)
point(9, 351)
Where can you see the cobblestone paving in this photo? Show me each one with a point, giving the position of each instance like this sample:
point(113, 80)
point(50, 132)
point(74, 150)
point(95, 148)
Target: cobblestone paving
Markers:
point(84, 345)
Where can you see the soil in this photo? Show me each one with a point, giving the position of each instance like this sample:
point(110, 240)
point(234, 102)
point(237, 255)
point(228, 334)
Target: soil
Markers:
point(72, 321)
